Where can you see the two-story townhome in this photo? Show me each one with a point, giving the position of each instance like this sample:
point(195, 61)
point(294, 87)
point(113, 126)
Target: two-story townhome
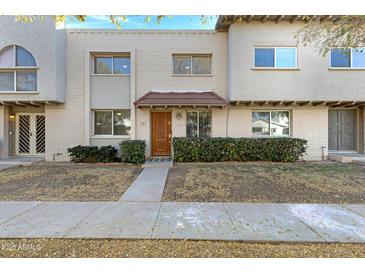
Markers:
point(61, 88)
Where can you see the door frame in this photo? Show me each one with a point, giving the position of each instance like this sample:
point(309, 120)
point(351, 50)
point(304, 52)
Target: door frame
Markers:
point(151, 131)
point(32, 128)
point(355, 147)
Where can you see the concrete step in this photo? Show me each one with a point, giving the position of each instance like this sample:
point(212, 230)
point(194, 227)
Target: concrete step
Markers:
point(359, 162)
point(158, 162)
point(346, 157)
point(157, 165)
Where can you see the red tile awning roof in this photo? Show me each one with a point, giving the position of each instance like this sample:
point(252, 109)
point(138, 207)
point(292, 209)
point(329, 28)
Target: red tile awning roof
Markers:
point(180, 99)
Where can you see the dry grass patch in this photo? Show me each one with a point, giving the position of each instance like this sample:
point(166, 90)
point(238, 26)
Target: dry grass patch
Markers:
point(300, 182)
point(67, 182)
point(171, 248)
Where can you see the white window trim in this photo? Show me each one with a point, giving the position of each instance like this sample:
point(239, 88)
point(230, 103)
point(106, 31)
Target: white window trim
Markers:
point(272, 136)
point(198, 120)
point(14, 70)
point(110, 75)
point(275, 67)
point(191, 56)
point(112, 57)
point(351, 67)
point(107, 135)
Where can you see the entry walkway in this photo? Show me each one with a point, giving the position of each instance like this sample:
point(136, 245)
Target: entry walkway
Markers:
point(203, 221)
point(148, 187)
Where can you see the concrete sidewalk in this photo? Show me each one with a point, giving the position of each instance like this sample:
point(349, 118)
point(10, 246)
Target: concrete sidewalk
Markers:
point(203, 221)
point(12, 162)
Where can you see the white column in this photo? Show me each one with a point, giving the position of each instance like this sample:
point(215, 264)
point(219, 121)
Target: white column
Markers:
point(4, 146)
point(87, 111)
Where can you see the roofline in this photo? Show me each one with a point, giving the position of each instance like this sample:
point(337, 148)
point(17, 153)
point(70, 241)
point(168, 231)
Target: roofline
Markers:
point(224, 21)
point(140, 31)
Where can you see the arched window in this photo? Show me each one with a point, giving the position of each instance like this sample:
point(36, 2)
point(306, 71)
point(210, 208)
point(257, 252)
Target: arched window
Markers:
point(18, 70)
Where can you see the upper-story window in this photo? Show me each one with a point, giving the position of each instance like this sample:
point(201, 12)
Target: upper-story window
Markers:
point(348, 58)
point(192, 64)
point(276, 57)
point(112, 65)
point(18, 70)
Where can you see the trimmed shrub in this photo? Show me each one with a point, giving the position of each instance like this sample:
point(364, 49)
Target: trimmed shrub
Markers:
point(132, 151)
point(238, 149)
point(92, 154)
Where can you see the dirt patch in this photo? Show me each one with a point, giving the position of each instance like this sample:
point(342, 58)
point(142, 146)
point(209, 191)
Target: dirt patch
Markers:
point(67, 182)
point(266, 183)
point(170, 248)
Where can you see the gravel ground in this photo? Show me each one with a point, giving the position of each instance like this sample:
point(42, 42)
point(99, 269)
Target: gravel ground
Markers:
point(302, 182)
point(67, 182)
point(170, 248)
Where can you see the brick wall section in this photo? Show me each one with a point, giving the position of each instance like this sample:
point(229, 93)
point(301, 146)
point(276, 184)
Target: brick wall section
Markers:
point(178, 125)
point(219, 122)
point(71, 124)
point(312, 125)
point(153, 51)
point(143, 126)
point(239, 122)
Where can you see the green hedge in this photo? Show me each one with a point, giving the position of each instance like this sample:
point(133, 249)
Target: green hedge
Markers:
point(132, 151)
point(92, 154)
point(238, 149)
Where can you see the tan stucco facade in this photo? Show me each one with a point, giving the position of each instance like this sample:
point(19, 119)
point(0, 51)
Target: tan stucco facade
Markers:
point(66, 77)
point(312, 80)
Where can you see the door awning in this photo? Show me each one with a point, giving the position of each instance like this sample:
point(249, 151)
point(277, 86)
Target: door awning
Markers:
point(181, 99)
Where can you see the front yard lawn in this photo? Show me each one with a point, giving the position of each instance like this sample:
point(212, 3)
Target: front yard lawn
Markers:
point(67, 182)
point(301, 182)
point(170, 248)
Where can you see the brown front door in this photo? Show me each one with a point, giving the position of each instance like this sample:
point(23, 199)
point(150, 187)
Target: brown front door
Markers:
point(161, 133)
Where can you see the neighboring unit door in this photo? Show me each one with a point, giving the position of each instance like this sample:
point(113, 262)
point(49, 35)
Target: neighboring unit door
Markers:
point(341, 129)
point(161, 133)
point(30, 134)
point(332, 130)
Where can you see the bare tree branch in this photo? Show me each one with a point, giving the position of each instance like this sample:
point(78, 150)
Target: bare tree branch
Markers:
point(345, 31)
point(117, 20)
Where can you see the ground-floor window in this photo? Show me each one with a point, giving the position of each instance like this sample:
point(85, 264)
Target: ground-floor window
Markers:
point(112, 122)
point(198, 123)
point(271, 123)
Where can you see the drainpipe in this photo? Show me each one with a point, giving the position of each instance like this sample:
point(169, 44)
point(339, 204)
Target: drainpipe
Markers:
point(227, 119)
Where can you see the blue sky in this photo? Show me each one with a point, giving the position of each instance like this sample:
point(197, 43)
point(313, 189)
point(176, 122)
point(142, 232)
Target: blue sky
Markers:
point(138, 22)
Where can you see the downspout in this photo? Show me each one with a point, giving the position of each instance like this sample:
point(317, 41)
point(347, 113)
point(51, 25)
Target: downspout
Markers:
point(323, 152)
point(227, 120)
point(361, 125)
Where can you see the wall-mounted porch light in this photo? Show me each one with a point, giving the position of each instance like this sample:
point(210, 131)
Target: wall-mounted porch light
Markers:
point(12, 116)
point(178, 115)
